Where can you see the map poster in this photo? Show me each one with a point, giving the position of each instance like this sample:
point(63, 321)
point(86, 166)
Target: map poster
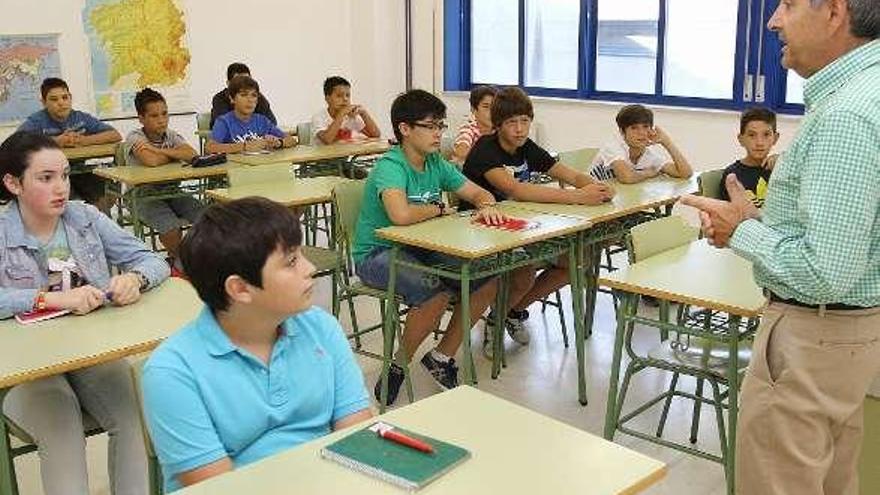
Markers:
point(25, 60)
point(135, 44)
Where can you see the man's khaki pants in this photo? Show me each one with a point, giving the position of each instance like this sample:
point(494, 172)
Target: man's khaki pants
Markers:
point(800, 419)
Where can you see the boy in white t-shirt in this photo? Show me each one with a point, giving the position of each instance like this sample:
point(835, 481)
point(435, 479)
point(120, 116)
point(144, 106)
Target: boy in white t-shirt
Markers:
point(642, 151)
point(341, 120)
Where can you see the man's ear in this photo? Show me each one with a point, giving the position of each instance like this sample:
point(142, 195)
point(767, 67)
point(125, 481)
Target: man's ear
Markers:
point(237, 289)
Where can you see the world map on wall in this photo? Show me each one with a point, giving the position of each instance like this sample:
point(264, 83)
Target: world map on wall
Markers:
point(134, 44)
point(25, 60)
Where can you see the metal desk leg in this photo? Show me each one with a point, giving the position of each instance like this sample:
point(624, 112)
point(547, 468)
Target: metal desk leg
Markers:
point(470, 372)
point(501, 302)
point(732, 402)
point(576, 277)
point(136, 226)
point(8, 485)
point(628, 305)
point(389, 325)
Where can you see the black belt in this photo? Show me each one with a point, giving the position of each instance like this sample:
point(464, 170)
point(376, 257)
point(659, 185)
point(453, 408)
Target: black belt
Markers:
point(828, 307)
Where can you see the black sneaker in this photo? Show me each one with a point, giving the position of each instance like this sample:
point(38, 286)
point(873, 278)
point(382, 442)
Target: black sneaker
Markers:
point(395, 380)
point(444, 374)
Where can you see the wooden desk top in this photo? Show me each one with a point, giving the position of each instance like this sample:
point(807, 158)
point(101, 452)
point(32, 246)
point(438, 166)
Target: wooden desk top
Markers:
point(696, 274)
point(457, 236)
point(308, 153)
point(92, 151)
point(296, 192)
point(72, 342)
point(514, 451)
point(136, 175)
point(630, 198)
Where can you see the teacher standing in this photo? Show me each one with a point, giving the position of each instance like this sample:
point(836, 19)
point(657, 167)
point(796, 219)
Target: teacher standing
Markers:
point(815, 250)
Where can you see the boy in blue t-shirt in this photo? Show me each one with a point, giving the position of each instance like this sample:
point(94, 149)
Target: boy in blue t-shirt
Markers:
point(405, 187)
point(70, 129)
point(757, 134)
point(242, 129)
point(261, 369)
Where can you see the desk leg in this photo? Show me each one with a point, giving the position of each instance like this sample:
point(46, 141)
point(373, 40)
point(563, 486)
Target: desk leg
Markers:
point(8, 485)
point(501, 302)
point(389, 326)
point(628, 304)
point(576, 278)
point(470, 372)
point(136, 226)
point(592, 256)
point(732, 402)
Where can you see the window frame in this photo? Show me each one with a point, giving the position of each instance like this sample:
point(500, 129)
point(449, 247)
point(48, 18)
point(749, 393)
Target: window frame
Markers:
point(757, 50)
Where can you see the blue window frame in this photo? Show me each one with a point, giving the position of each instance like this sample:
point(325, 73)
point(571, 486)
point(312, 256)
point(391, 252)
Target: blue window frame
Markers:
point(639, 41)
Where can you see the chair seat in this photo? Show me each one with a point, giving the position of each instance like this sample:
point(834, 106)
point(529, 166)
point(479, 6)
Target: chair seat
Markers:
point(90, 427)
point(699, 355)
point(324, 259)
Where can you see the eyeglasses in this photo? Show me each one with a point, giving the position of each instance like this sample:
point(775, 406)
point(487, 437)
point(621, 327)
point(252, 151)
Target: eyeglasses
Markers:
point(432, 126)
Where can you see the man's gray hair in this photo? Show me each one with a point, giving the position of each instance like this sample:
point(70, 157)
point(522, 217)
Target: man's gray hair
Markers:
point(864, 15)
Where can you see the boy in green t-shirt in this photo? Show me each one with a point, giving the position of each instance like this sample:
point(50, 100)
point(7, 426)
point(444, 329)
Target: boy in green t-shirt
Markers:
point(404, 188)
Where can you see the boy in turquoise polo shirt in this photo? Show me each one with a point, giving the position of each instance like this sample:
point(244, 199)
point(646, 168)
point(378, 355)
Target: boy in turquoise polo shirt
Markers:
point(260, 370)
point(405, 187)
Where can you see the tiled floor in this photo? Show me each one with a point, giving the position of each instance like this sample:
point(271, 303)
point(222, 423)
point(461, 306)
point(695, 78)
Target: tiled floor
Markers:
point(541, 376)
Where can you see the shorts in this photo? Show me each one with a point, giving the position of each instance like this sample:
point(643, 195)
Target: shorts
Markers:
point(414, 286)
point(165, 215)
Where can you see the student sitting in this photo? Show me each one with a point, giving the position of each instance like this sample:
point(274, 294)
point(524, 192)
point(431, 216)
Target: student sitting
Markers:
point(261, 369)
point(478, 124)
point(503, 163)
point(56, 253)
point(221, 103)
point(152, 145)
point(641, 152)
point(242, 129)
point(405, 187)
point(341, 120)
point(757, 134)
point(70, 129)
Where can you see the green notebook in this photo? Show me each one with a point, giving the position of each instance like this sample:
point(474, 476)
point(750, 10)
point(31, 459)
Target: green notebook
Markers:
point(367, 452)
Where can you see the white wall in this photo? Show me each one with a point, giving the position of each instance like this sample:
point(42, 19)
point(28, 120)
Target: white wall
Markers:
point(290, 46)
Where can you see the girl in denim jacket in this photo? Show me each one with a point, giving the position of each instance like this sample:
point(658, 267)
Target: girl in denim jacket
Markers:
point(57, 254)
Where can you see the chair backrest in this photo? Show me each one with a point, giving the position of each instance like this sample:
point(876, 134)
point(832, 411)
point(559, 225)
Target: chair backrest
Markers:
point(304, 132)
point(203, 121)
point(579, 159)
point(347, 199)
point(276, 172)
point(654, 237)
point(153, 467)
point(119, 156)
point(446, 144)
point(709, 183)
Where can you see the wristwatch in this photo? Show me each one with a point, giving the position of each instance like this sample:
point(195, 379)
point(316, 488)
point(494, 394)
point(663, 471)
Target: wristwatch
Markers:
point(144, 281)
point(441, 205)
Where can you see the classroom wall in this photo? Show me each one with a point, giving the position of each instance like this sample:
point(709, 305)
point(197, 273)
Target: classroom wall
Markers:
point(290, 47)
point(708, 137)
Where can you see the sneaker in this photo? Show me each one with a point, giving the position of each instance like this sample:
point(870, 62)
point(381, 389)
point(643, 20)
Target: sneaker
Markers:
point(444, 374)
point(516, 327)
point(395, 380)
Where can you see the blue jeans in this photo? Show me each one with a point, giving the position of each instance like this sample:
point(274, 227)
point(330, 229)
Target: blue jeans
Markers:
point(414, 286)
point(49, 410)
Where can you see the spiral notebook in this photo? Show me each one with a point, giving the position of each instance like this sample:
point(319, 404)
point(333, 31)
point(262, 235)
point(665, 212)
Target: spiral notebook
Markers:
point(366, 452)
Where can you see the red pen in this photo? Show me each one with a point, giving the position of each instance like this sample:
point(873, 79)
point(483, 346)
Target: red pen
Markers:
point(389, 433)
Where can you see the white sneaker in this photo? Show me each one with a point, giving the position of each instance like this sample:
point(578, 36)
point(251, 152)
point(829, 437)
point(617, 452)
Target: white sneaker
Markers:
point(517, 330)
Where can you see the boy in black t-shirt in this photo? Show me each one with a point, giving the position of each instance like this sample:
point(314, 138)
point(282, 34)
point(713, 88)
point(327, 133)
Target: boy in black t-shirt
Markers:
point(757, 134)
point(502, 163)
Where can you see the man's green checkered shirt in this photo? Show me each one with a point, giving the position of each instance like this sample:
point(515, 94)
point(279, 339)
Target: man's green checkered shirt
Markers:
point(819, 239)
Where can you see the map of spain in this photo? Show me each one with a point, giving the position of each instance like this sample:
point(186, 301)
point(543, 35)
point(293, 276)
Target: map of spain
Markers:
point(25, 60)
point(134, 44)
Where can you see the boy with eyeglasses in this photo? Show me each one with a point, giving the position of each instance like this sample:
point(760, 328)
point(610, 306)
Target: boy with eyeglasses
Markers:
point(404, 188)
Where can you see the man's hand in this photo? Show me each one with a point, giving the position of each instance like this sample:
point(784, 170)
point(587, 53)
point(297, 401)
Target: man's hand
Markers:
point(81, 300)
point(272, 142)
point(490, 215)
point(255, 144)
point(720, 219)
point(658, 136)
point(594, 194)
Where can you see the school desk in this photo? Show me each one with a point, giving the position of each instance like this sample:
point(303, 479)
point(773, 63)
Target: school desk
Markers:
point(70, 342)
point(700, 275)
point(513, 450)
point(307, 153)
point(91, 151)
